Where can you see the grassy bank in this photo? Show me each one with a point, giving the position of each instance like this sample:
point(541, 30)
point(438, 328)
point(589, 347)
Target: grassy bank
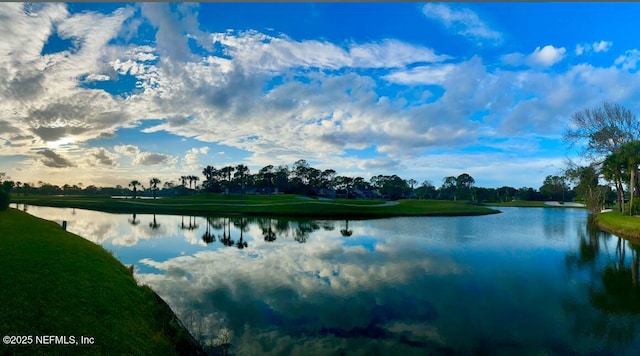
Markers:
point(281, 205)
point(55, 283)
point(623, 225)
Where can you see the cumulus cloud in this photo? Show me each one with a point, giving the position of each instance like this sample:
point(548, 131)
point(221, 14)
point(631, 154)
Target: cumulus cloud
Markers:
point(175, 24)
point(153, 159)
point(541, 57)
point(629, 60)
point(144, 158)
point(101, 156)
point(191, 157)
point(276, 97)
point(127, 149)
point(463, 21)
point(546, 56)
point(53, 160)
point(602, 46)
point(596, 47)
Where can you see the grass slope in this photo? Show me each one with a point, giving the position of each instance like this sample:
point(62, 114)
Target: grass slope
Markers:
point(57, 283)
point(283, 205)
point(622, 225)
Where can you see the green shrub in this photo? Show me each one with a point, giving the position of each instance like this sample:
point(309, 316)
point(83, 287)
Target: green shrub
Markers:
point(4, 200)
point(635, 206)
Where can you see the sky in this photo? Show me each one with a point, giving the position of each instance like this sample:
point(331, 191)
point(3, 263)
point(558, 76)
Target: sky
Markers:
point(105, 93)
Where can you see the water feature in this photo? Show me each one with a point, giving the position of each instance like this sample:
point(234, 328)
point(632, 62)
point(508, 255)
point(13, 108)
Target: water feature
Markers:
point(529, 280)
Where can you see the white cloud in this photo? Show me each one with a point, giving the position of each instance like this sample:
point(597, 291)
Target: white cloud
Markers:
point(144, 158)
point(259, 51)
point(546, 56)
point(463, 21)
point(191, 157)
point(436, 74)
point(629, 60)
point(541, 57)
point(175, 24)
point(602, 46)
point(101, 156)
point(52, 159)
point(127, 149)
point(153, 159)
point(597, 47)
point(97, 78)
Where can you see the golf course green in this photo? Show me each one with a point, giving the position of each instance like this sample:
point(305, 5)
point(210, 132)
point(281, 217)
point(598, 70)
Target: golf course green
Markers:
point(276, 205)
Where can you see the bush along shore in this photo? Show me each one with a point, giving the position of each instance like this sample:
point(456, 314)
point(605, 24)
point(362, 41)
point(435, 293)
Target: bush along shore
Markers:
point(62, 294)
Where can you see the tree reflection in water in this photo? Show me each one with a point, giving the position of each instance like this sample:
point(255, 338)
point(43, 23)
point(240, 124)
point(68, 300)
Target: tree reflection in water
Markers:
point(612, 286)
point(226, 237)
point(133, 220)
point(272, 228)
point(242, 226)
point(191, 225)
point(620, 293)
point(208, 237)
point(266, 225)
point(154, 224)
point(346, 232)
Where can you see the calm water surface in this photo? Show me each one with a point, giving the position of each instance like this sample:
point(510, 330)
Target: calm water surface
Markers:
point(527, 281)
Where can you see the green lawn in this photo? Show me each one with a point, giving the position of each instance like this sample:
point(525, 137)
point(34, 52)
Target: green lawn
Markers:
point(280, 205)
point(521, 204)
point(623, 225)
point(527, 204)
point(57, 283)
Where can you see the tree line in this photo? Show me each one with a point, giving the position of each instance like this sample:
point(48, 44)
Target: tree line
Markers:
point(301, 178)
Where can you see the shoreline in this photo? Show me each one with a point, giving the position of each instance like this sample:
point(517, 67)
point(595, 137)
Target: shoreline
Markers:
point(59, 283)
point(625, 226)
point(282, 207)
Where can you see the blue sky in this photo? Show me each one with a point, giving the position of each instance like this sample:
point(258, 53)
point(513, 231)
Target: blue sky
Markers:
point(104, 93)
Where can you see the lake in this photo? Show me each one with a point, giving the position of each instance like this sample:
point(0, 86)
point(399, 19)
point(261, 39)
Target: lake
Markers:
point(527, 281)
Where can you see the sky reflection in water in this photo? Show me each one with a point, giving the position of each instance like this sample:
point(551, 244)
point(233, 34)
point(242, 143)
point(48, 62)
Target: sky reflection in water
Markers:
point(532, 280)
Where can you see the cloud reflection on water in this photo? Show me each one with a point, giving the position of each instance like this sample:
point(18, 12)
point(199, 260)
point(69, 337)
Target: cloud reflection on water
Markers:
point(317, 290)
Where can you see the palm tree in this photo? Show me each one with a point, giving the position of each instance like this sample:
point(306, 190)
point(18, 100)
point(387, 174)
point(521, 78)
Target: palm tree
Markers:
point(226, 171)
point(411, 183)
point(612, 171)
point(134, 184)
point(241, 172)
point(153, 184)
point(183, 179)
point(195, 179)
point(630, 154)
point(209, 173)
